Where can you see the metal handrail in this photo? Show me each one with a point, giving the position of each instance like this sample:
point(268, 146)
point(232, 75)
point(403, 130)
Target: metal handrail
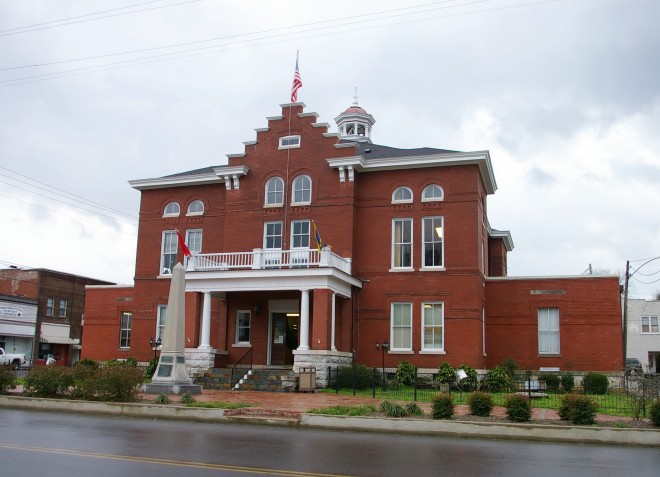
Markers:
point(240, 362)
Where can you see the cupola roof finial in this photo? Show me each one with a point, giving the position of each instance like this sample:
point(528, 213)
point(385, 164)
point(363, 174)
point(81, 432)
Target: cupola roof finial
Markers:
point(355, 98)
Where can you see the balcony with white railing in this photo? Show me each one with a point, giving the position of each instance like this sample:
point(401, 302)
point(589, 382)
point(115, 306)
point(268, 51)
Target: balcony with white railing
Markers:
point(260, 259)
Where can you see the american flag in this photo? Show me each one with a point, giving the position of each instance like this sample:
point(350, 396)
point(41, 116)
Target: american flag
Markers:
point(297, 83)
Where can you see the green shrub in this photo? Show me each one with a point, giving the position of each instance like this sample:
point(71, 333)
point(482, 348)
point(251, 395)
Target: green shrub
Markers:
point(358, 376)
point(119, 384)
point(568, 382)
point(442, 406)
point(84, 381)
point(510, 366)
point(446, 374)
point(151, 368)
point(497, 380)
point(392, 409)
point(578, 409)
point(7, 379)
point(131, 361)
point(412, 409)
point(480, 403)
point(87, 362)
point(472, 377)
point(112, 362)
point(162, 399)
point(518, 408)
point(48, 382)
point(551, 380)
point(187, 398)
point(595, 383)
point(405, 373)
point(655, 413)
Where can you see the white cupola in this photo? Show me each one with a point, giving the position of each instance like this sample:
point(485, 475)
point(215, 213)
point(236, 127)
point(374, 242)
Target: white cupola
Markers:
point(355, 123)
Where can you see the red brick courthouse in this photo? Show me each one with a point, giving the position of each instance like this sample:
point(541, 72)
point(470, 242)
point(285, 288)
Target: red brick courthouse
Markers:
point(314, 248)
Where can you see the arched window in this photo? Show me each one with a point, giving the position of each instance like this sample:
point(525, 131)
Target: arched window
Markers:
point(196, 207)
point(275, 191)
point(402, 195)
point(302, 190)
point(432, 193)
point(172, 209)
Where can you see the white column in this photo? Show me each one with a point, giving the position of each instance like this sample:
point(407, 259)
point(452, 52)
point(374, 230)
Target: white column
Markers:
point(304, 321)
point(332, 329)
point(206, 322)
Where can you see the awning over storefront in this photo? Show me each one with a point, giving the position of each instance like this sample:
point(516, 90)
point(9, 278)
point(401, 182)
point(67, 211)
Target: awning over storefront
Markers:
point(59, 340)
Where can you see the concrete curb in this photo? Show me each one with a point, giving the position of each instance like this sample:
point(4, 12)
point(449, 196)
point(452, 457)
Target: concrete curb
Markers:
point(526, 432)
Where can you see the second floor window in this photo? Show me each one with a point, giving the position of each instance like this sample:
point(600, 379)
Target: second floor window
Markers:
point(50, 307)
point(275, 191)
point(650, 325)
point(302, 190)
point(168, 252)
point(63, 307)
point(432, 231)
point(300, 234)
point(194, 240)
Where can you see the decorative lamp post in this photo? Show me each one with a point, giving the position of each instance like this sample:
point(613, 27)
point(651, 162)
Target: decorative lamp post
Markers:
point(155, 345)
point(384, 348)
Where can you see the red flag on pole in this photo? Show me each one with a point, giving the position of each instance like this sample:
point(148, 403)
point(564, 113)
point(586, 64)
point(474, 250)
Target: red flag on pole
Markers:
point(182, 244)
point(297, 83)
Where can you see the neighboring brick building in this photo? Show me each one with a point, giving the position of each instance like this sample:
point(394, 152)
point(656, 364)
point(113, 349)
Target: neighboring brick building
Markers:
point(410, 260)
point(59, 299)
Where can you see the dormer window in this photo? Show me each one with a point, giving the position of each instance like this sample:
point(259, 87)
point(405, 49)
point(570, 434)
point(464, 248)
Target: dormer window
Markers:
point(289, 142)
point(196, 207)
point(432, 193)
point(402, 195)
point(172, 210)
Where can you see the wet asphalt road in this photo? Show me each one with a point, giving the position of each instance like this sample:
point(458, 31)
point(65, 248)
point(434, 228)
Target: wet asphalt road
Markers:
point(72, 445)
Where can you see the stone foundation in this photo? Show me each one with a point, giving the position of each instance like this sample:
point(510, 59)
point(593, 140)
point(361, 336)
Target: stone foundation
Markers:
point(198, 361)
point(321, 360)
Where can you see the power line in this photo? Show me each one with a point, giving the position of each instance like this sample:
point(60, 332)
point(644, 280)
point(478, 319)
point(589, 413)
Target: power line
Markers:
point(182, 54)
point(40, 27)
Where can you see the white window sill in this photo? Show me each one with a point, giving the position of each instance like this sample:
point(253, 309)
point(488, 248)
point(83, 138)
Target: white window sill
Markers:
point(300, 204)
point(273, 206)
point(403, 351)
point(432, 269)
point(439, 351)
point(242, 345)
point(194, 214)
point(402, 269)
point(169, 216)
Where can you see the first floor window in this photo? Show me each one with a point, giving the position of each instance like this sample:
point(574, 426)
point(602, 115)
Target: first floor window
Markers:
point(548, 330)
point(432, 245)
point(63, 305)
point(125, 330)
point(401, 327)
point(242, 327)
point(168, 252)
point(432, 327)
point(50, 307)
point(160, 323)
point(650, 325)
point(402, 243)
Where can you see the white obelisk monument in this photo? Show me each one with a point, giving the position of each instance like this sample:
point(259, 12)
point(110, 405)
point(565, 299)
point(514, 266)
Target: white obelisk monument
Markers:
point(171, 376)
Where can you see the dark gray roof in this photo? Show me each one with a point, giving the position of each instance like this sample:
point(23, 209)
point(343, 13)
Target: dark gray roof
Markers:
point(203, 170)
point(376, 151)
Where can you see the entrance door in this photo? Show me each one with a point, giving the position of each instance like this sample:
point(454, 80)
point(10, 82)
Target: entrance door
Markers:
point(284, 339)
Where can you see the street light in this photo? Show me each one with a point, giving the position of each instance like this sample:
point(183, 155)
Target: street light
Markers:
point(384, 348)
point(157, 344)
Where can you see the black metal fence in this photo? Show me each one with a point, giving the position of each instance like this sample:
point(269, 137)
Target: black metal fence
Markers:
point(621, 395)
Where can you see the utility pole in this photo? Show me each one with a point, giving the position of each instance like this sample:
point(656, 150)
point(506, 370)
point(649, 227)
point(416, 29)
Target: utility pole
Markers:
point(625, 312)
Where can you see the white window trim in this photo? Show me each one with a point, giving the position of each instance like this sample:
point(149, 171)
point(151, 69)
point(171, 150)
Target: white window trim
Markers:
point(243, 343)
point(61, 312)
point(394, 268)
point(188, 242)
point(161, 271)
point(558, 331)
point(290, 146)
point(50, 307)
point(402, 201)
point(423, 326)
point(158, 325)
point(433, 199)
point(129, 329)
point(171, 214)
point(293, 190)
point(192, 214)
point(394, 350)
point(650, 332)
point(442, 242)
point(274, 204)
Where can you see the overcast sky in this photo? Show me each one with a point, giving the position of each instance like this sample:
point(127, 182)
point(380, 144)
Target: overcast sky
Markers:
point(564, 94)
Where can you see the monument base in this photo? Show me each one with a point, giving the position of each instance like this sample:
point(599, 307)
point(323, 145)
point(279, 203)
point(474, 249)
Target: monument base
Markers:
point(171, 388)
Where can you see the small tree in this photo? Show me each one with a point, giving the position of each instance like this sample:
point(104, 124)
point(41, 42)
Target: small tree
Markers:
point(480, 403)
point(446, 374)
point(442, 407)
point(518, 408)
point(497, 380)
point(405, 373)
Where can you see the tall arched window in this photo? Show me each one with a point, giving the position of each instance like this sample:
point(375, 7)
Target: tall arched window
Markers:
point(274, 191)
point(302, 190)
point(402, 195)
point(172, 209)
point(196, 207)
point(432, 192)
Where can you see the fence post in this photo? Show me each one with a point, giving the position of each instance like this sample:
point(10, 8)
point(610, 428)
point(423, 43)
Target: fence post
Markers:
point(373, 382)
point(415, 386)
point(353, 372)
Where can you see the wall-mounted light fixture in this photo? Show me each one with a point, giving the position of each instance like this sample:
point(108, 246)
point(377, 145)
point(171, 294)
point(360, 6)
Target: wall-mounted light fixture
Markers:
point(257, 309)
